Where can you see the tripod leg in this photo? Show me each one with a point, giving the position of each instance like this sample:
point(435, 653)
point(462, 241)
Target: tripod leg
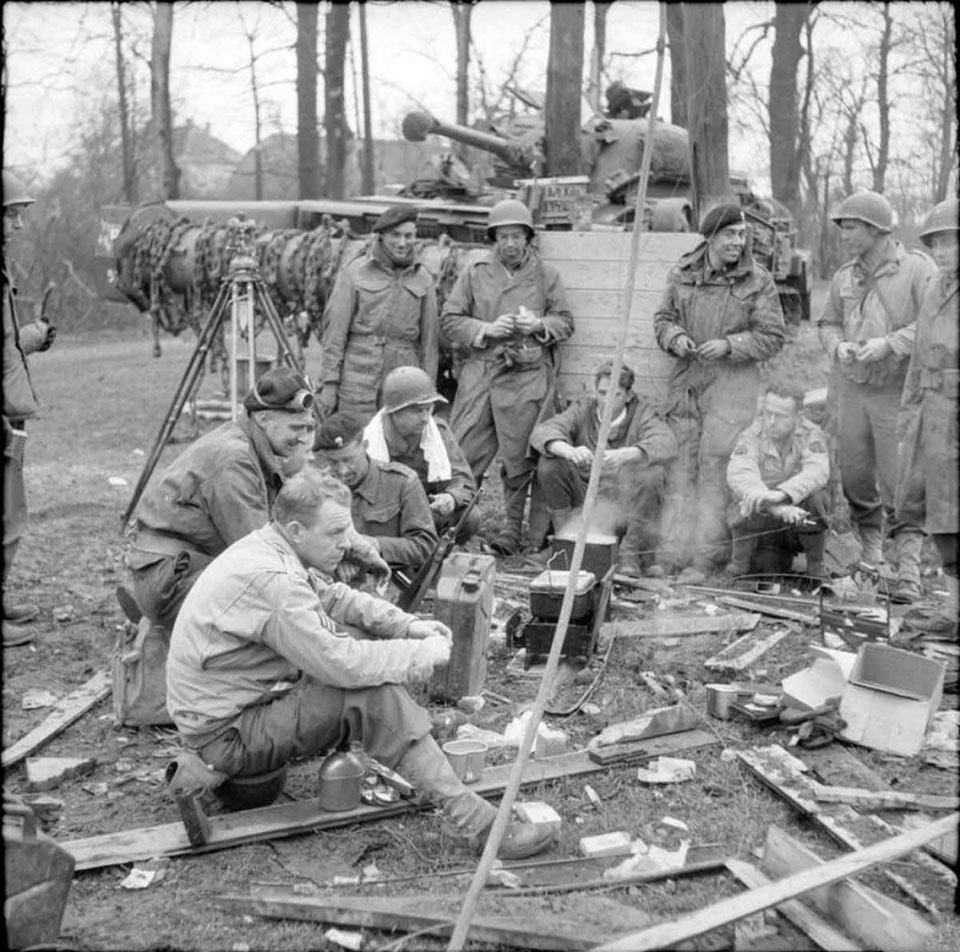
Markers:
point(186, 386)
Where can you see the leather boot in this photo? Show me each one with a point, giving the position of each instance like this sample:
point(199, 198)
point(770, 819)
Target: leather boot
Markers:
point(188, 775)
point(742, 551)
point(814, 545)
point(871, 538)
point(507, 541)
point(464, 810)
point(628, 556)
point(908, 588)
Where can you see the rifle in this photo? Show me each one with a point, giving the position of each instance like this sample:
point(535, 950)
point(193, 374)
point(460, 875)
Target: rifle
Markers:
point(410, 598)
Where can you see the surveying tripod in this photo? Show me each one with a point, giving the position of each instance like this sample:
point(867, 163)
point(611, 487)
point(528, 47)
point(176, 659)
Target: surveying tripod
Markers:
point(242, 294)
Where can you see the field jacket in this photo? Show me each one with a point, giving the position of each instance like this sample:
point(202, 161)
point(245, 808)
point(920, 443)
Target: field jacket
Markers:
point(256, 620)
point(217, 491)
point(799, 466)
point(740, 306)
point(19, 398)
point(927, 480)
point(379, 317)
point(885, 303)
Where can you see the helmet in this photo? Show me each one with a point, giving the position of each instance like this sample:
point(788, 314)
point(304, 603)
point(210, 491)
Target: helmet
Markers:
point(14, 192)
point(943, 217)
point(865, 206)
point(406, 387)
point(509, 212)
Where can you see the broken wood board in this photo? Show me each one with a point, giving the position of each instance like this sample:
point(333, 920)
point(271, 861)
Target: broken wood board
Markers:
point(818, 929)
point(668, 934)
point(61, 716)
point(871, 917)
point(290, 819)
point(664, 625)
point(785, 774)
point(653, 723)
point(884, 799)
point(774, 611)
point(944, 848)
point(415, 913)
point(839, 766)
point(653, 747)
point(655, 585)
point(746, 650)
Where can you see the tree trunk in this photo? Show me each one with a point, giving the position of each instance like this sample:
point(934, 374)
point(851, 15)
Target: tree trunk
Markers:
point(308, 135)
point(160, 101)
point(462, 12)
point(948, 115)
point(564, 81)
point(335, 118)
point(594, 91)
point(126, 143)
point(257, 125)
point(883, 101)
point(704, 49)
point(788, 21)
point(367, 183)
point(678, 65)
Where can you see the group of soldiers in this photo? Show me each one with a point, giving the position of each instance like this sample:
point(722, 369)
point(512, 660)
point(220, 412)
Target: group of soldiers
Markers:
point(259, 544)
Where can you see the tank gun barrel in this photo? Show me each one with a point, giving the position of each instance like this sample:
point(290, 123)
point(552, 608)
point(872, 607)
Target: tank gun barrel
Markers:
point(417, 126)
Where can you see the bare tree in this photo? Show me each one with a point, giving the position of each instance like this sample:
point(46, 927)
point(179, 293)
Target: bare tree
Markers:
point(462, 12)
point(160, 100)
point(678, 65)
point(880, 159)
point(335, 116)
point(564, 81)
point(308, 136)
point(249, 33)
point(126, 136)
point(785, 158)
point(704, 38)
point(595, 81)
point(367, 174)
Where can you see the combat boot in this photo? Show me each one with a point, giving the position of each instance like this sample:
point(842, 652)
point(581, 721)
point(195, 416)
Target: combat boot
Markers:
point(466, 814)
point(908, 588)
point(871, 538)
point(741, 555)
point(628, 556)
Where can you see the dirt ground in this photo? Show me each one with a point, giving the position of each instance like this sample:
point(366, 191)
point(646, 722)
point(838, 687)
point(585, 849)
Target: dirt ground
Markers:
point(104, 403)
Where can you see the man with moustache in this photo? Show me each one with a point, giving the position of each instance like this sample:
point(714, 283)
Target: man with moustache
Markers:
point(382, 314)
point(719, 318)
point(867, 328)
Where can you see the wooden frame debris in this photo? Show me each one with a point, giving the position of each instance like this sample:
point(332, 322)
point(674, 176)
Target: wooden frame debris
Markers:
point(884, 799)
point(746, 650)
point(63, 714)
point(662, 625)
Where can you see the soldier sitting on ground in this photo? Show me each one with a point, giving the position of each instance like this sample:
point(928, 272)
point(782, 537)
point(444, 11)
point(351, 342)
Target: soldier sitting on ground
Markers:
point(261, 671)
point(389, 505)
point(638, 445)
point(776, 474)
point(218, 490)
point(406, 431)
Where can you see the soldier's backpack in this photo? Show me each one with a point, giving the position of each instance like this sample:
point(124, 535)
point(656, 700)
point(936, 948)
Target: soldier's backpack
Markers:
point(140, 674)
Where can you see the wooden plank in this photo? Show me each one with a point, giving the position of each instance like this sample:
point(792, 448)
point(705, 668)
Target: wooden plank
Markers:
point(746, 650)
point(884, 799)
point(871, 917)
point(390, 915)
point(290, 819)
point(819, 930)
point(666, 247)
point(665, 746)
point(61, 716)
point(945, 848)
point(598, 307)
point(652, 723)
point(774, 611)
point(662, 625)
point(730, 910)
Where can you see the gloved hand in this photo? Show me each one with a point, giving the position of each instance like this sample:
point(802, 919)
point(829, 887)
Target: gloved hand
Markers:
point(327, 399)
point(431, 652)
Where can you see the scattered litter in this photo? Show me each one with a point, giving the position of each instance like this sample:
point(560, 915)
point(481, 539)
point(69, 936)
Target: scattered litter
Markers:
point(346, 880)
point(305, 889)
point(711, 609)
point(590, 709)
point(37, 698)
point(605, 844)
point(498, 876)
point(675, 823)
point(943, 732)
point(492, 739)
point(139, 452)
point(592, 796)
point(654, 723)
point(117, 481)
point(45, 773)
point(654, 859)
point(370, 873)
point(64, 613)
point(535, 811)
point(347, 940)
point(728, 755)
point(471, 704)
point(141, 878)
point(95, 789)
point(549, 741)
point(667, 770)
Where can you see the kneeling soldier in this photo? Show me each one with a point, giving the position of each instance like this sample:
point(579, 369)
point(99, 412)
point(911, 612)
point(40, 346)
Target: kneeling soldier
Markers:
point(261, 672)
point(776, 474)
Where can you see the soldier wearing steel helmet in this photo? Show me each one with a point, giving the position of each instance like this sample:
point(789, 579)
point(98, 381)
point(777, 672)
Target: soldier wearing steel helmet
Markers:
point(867, 327)
point(382, 314)
point(20, 404)
point(405, 430)
point(507, 313)
point(927, 481)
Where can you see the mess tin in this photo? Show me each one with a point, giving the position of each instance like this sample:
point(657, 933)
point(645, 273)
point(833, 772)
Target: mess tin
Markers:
point(546, 594)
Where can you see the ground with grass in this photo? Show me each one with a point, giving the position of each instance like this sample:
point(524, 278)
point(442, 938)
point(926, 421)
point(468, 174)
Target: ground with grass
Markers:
point(104, 403)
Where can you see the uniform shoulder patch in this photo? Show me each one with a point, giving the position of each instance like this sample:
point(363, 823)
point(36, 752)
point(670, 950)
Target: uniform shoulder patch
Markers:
point(817, 446)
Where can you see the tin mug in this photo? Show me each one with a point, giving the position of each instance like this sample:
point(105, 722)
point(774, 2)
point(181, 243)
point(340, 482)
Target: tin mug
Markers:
point(467, 757)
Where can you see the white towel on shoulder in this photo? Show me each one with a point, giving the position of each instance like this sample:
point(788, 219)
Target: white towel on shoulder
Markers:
point(431, 442)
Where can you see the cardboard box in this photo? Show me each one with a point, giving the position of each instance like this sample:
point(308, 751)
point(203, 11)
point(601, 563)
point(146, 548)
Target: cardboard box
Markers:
point(890, 699)
point(826, 678)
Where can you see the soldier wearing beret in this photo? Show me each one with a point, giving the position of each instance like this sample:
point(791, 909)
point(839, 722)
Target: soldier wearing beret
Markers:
point(382, 314)
point(221, 488)
point(389, 504)
point(719, 318)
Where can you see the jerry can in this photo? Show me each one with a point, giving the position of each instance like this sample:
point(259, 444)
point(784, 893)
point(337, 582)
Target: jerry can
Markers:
point(464, 603)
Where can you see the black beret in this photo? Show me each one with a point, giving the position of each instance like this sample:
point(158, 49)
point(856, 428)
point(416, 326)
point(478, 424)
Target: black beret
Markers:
point(719, 217)
point(337, 431)
point(280, 388)
point(393, 216)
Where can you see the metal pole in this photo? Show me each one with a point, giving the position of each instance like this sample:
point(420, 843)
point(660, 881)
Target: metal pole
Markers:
point(467, 910)
point(234, 326)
